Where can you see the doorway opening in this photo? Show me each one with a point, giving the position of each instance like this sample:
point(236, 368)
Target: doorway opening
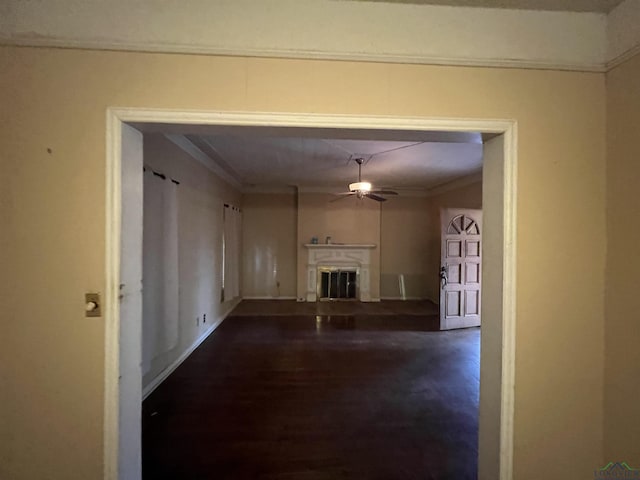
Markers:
point(124, 236)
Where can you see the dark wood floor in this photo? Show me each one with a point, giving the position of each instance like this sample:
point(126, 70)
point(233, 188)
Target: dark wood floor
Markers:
point(319, 397)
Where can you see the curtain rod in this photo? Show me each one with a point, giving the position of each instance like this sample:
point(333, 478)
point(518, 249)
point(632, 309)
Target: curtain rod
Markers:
point(232, 207)
point(161, 175)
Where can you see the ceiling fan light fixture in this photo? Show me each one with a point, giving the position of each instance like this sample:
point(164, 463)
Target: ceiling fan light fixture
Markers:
point(360, 187)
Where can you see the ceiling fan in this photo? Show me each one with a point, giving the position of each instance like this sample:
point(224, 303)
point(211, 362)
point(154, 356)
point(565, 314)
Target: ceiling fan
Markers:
point(363, 189)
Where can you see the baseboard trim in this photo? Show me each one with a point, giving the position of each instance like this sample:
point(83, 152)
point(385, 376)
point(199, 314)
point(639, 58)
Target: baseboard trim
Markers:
point(405, 298)
point(162, 376)
point(269, 298)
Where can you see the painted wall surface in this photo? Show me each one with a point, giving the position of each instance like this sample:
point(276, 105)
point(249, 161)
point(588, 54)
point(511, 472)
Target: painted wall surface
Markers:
point(52, 206)
point(269, 232)
point(469, 196)
point(404, 236)
point(348, 220)
point(622, 334)
point(201, 195)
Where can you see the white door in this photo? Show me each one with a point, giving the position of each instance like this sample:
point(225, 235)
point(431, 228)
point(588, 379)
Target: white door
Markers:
point(460, 263)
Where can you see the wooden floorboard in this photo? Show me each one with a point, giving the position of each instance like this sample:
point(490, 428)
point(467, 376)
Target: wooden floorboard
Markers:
point(319, 397)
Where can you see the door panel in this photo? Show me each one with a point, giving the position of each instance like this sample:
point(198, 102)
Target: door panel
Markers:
point(461, 268)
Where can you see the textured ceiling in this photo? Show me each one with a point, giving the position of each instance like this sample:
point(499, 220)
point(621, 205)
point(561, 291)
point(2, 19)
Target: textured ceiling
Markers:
point(266, 162)
point(603, 6)
point(257, 158)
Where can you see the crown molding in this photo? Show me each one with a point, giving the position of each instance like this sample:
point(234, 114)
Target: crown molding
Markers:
point(402, 192)
point(319, 30)
point(623, 33)
point(270, 190)
point(622, 58)
point(194, 152)
point(475, 177)
point(322, 189)
point(298, 54)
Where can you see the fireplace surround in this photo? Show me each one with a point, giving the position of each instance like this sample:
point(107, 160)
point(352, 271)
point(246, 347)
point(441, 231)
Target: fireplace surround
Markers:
point(339, 257)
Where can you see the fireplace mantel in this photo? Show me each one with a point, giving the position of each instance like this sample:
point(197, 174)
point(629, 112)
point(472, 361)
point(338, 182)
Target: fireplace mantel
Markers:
point(357, 256)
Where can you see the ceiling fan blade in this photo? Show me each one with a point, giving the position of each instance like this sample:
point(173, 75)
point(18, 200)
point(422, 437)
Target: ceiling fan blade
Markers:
point(384, 192)
point(346, 193)
point(375, 197)
point(341, 196)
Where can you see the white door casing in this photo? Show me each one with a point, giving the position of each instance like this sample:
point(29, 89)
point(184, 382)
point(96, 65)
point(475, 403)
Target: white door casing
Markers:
point(499, 307)
point(129, 458)
point(460, 268)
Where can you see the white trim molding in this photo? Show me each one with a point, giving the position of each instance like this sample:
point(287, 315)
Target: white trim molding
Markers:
point(316, 29)
point(509, 278)
point(111, 300)
point(194, 152)
point(455, 184)
point(265, 297)
point(507, 296)
point(405, 298)
point(623, 33)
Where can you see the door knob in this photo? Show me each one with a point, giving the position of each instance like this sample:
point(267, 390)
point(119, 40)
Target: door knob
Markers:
point(443, 276)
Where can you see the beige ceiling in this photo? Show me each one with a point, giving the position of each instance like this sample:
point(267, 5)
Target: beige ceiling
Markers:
point(603, 6)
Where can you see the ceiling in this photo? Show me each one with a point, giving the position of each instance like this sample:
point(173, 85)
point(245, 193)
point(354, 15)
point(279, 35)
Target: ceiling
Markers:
point(264, 159)
point(602, 6)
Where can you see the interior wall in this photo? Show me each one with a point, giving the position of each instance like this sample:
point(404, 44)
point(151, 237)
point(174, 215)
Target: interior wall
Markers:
point(52, 205)
point(404, 236)
point(349, 220)
point(269, 233)
point(622, 335)
point(467, 196)
point(201, 195)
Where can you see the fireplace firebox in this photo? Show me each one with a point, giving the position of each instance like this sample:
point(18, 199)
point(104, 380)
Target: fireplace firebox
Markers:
point(337, 283)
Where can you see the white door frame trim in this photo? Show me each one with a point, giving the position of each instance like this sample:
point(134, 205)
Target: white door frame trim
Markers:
point(117, 116)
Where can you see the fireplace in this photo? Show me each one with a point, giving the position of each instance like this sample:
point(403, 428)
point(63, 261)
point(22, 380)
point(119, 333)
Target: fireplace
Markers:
point(338, 271)
point(337, 283)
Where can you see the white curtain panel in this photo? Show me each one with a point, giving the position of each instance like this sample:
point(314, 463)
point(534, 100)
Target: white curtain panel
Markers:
point(232, 239)
point(159, 268)
point(237, 252)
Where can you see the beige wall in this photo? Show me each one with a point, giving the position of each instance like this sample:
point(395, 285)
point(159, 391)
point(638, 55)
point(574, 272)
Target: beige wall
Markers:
point(52, 207)
point(622, 338)
point(468, 196)
point(348, 220)
point(404, 235)
point(201, 196)
point(269, 251)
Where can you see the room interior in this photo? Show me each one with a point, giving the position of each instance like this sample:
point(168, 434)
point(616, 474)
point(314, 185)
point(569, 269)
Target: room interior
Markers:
point(447, 161)
point(287, 186)
point(567, 77)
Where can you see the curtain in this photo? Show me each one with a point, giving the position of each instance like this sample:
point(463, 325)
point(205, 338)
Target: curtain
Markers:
point(159, 268)
point(232, 238)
